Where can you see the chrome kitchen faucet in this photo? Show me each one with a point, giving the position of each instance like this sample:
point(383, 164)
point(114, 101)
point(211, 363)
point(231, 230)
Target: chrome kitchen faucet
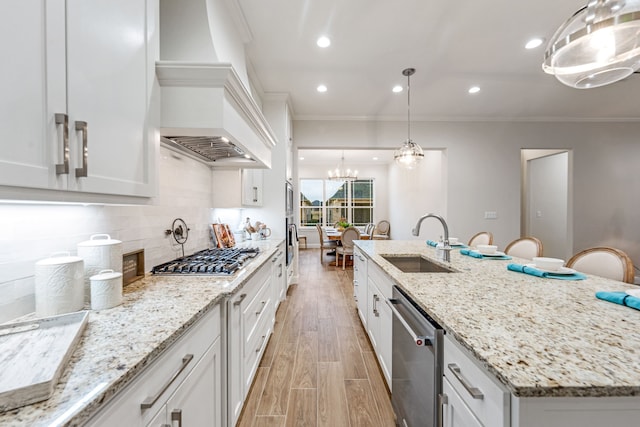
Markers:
point(444, 251)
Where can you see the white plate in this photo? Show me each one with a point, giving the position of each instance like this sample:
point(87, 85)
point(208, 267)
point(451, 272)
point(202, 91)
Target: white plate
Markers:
point(496, 253)
point(633, 292)
point(565, 271)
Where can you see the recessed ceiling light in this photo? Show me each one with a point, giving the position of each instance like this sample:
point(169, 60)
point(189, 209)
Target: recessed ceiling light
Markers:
point(533, 43)
point(375, 158)
point(474, 89)
point(397, 89)
point(323, 41)
point(322, 88)
point(301, 158)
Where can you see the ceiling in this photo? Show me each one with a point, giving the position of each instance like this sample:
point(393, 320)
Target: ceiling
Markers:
point(452, 45)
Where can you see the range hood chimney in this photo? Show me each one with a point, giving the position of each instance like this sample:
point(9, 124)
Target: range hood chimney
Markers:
point(207, 112)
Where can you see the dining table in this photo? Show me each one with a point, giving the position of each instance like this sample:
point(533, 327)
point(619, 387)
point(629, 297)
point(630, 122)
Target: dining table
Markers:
point(335, 234)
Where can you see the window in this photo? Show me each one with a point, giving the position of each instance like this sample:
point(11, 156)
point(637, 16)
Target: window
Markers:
point(325, 202)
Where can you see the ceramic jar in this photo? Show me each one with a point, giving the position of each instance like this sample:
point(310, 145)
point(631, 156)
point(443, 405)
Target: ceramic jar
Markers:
point(59, 285)
point(100, 252)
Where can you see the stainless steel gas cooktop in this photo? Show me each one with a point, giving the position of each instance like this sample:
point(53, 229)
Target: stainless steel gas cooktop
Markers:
point(222, 262)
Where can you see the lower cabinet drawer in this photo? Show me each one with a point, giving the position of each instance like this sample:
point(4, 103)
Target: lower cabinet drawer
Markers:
point(455, 412)
point(483, 395)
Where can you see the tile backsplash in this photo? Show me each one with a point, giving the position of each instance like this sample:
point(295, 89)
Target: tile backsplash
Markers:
point(34, 231)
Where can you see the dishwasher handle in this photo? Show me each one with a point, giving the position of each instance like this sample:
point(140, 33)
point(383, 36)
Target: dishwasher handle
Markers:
point(420, 340)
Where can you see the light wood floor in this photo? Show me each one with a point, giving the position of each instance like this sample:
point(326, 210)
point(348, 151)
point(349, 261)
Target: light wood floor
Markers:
point(319, 368)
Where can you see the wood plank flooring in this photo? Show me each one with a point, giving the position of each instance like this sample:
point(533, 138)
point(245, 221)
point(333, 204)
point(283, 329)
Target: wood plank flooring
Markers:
point(319, 368)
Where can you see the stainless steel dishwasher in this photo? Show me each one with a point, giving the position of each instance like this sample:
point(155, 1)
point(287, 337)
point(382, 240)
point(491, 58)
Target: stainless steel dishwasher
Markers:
point(416, 379)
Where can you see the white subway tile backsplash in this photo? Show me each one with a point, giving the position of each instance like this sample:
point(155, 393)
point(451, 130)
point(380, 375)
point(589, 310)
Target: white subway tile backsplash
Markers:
point(37, 231)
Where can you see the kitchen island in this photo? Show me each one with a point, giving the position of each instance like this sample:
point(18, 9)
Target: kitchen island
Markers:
point(119, 343)
point(542, 339)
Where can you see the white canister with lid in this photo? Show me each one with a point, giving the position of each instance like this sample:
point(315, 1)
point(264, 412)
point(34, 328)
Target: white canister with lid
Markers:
point(100, 252)
point(106, 290)
point(59, 284)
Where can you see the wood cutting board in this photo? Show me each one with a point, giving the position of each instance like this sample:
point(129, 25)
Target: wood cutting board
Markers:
point(33, 355)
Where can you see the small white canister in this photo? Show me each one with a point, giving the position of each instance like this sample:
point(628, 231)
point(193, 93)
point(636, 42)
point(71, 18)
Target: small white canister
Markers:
point(59, 284)
point(100, 252)
point(106, 290)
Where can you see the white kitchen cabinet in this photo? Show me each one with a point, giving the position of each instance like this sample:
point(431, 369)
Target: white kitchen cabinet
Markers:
point(235, 188)
point(81, 72)
point(380, 318)
point(252, 187)
point(454, 411)
point(278, 277)
point(187, 376)
point(197, 401)
point(250, 323)
point(478, 392)
point(360, 284)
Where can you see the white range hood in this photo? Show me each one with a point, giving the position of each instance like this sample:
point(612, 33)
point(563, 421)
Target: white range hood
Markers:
point(207, 112)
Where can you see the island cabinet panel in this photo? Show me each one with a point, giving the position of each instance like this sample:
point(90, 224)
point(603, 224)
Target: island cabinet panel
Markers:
point(479, 391)
point(455, 412)
point(380, 318)
point(360, 284)
point(186, 377)
point(81, 116)
point(615, 411)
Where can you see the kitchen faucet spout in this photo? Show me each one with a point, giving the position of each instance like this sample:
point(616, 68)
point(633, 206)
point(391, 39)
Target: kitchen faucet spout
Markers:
point(446, 249)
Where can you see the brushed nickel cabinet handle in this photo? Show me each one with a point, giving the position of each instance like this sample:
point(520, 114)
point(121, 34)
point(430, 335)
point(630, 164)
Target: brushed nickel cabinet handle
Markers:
point(150, 401)
point(376, 298)
point(443, 400)
point(475, 392)
point(261, 308)
point(239, 301)
point(261, 344)
point(63, 168)
point(176, 415)
point(255, 194)
point(82, 172)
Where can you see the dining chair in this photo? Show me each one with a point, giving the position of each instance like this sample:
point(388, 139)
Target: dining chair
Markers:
point(348, 236)
point(524, 247)
point(381, 231)
point(481, 238)
point(325, 243)
point(368, 229)
point(604, 261)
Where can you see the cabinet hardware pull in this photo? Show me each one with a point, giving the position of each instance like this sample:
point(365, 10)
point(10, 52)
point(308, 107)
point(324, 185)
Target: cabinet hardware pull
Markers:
point(475, 392)
point(176, 415)
point(280, 265)
point(261, 343)
point(239, 301)
point(443, 400)
point(63, 168)
point(376, 298)
point(255, 194)
point(82, 172)
point(150, 401)
point(420, 340)
point(261, 308)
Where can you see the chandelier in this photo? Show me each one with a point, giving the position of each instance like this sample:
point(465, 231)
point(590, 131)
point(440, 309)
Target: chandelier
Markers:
point(598, 45)
point(342, 174)
point(409, 154)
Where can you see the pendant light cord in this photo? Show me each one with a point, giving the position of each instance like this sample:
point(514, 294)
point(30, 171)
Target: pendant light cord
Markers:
point(409, 108)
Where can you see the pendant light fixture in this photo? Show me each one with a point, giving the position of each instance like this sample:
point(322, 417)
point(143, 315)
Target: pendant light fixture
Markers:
point(598, 45)
point(410, 153)
point(342, 174)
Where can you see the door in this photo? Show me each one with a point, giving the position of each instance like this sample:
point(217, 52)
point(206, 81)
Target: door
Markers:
point(455, 412)
point(547, 195)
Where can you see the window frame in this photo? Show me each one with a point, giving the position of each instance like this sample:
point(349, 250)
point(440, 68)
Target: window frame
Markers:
point(324, 207)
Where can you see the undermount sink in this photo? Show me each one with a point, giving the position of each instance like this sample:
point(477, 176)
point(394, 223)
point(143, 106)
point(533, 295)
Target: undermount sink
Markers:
point(416, 264)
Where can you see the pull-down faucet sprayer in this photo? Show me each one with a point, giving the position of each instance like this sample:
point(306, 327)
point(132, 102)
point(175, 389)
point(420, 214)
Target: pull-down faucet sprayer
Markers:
point(446, 249)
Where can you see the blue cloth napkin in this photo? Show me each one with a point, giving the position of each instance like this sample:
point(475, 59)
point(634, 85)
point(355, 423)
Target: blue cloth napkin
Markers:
point(432, 243)
point(476, 254)
point(546, 274)
point(621, 298)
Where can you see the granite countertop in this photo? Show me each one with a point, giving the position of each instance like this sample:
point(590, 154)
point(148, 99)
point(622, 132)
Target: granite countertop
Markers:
point(539, 337)
point(118, 343)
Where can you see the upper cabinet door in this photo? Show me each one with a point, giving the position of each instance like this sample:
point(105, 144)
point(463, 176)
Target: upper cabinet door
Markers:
point(76, 111)
point(32, 84)
point(108, 94)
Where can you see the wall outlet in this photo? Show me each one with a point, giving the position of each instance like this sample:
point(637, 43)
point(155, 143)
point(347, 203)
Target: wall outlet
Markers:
point(490, 215)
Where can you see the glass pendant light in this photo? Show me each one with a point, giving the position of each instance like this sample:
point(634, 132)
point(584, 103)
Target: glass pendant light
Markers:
point(342, 174)
point(410, 153)
point(598, 45)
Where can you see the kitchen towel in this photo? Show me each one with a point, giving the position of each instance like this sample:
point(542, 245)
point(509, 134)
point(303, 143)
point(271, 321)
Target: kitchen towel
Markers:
point(456, 246)
point(432, 243)
point(621, 298)
point(476, 254)
point(545, 274)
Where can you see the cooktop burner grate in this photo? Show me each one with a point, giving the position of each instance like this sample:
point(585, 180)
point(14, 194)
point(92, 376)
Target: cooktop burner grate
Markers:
point(222, 262)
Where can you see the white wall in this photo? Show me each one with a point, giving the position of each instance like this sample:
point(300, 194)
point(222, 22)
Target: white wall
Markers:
point(34, 231)
point(484, 171)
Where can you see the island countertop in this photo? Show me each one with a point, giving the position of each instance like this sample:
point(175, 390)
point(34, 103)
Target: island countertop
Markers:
point(539, 337)
point(118, 343)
